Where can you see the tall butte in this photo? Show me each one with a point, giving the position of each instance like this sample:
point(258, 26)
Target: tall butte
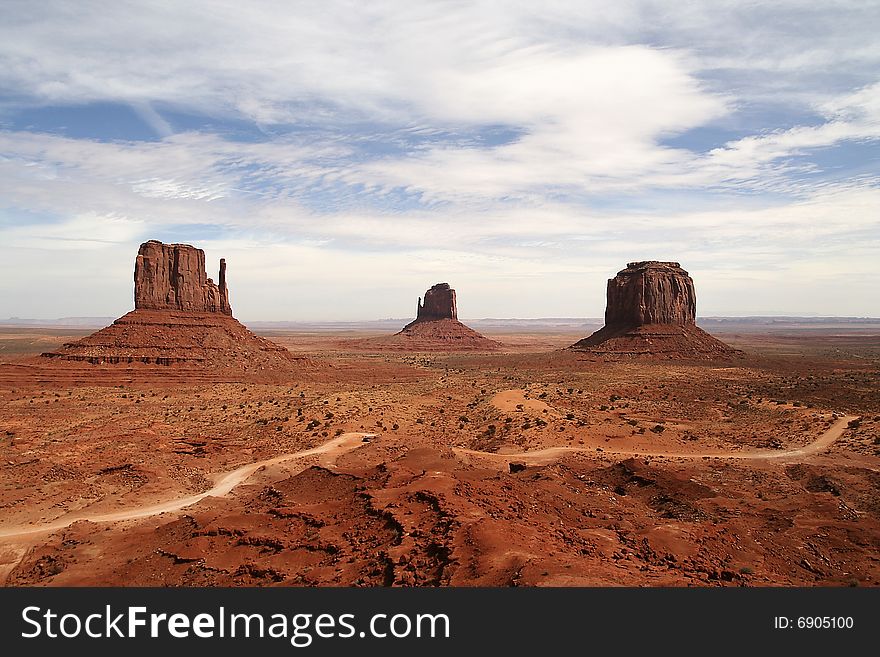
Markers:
point(651, 310)
point(172, 277)
point(435, 328)
point(181, 318)
point(439, 304)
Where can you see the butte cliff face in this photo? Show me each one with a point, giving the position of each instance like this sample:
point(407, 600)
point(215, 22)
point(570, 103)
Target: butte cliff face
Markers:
point(439, 304)
point(173, 277)
point(651, 292)
point(181, 318)
point(651, 311)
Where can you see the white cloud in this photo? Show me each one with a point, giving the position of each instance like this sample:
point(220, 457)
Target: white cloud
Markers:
point(382, 58)
point(80, 232)
point(540, 262)
point(366, 107)
point(145, 110)
point(853, 116)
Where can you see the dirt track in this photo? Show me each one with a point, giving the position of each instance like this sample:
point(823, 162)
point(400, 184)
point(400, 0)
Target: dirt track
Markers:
point(226, 482)
point(223, 484)
point(546, 455)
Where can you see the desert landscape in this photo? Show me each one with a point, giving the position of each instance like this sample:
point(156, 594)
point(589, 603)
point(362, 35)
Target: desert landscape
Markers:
point(177, 447)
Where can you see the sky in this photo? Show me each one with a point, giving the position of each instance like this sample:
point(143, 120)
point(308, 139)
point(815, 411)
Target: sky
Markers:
point(343, 156)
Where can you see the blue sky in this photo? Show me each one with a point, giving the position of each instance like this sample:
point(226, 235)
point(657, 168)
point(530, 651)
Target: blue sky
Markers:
point(344, 156)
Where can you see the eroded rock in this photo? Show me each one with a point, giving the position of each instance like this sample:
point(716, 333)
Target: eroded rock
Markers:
point(651, 311)
point(173, 277)
point(439, 304)
point(651, 292)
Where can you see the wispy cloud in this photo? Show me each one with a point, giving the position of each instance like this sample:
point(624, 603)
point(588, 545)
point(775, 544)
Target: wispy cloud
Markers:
point(329, 147)
point(152, 118)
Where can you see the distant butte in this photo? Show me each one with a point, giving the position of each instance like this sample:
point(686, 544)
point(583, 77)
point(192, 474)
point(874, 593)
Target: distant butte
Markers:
point(181, 317)
point(435, 328)
point(439, 304)
point(651, 311)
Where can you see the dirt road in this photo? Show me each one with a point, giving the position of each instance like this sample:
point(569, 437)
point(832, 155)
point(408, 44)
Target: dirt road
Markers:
point(541, 456)
point(223, 485)
point(331, 450)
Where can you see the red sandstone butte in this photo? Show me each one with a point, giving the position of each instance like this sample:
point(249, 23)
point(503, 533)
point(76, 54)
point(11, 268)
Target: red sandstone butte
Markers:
point(651, 311)
point(181, 318)
point(439, 304)
point(435, 328)
point(173, 277)
point(651, 292)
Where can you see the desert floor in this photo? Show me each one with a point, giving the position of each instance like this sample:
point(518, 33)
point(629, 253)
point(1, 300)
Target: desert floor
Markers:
point(532, 466)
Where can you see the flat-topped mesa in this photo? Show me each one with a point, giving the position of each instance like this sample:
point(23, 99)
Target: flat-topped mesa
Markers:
point(173, 277)
point(651, 311)
point(439, 304)
point(651, 292)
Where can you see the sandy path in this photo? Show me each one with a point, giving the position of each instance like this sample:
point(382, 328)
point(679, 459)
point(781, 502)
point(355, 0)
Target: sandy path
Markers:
point(540, 456)
point(332, 449)
point(223, 485)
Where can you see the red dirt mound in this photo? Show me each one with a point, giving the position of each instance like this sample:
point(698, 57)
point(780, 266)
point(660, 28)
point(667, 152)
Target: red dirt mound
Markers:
point(210, 340)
